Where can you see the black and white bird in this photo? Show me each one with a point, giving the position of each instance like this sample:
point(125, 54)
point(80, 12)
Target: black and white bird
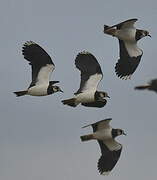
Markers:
point(42, 67)
point(91, 75)
point(110, 148)
point(130, 53)
point(152, 86)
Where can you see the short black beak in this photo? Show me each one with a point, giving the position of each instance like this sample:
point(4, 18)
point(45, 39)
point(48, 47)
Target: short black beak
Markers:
point(61, 91)
point(149, 35)
point(108, 96)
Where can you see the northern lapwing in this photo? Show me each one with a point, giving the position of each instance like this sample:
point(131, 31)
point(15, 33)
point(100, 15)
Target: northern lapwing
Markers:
point(152, 85)
point(110, 148)
point(42, 67)
point(91, 75)
point(130, 53)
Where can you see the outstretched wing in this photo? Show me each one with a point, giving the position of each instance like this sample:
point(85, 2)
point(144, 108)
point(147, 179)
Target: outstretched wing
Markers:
point(41, 62)
point(125, 24)
point(91, 73)
point(130, 53)
point(109, 158)
point(100, 124)
point(130, 56)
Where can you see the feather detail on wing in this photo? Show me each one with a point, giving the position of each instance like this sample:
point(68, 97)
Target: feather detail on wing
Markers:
point(100, 124)
point(91, 73)
point(41, 62)
point(123, 25)
point(108, 159)
point(130, 56)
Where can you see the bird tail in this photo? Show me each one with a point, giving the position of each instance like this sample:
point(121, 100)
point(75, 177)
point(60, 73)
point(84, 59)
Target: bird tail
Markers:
point(106, 27)
point(142, 87)
point(70, 102)
point(87, 137)
point(20, 93)
point(109, 30)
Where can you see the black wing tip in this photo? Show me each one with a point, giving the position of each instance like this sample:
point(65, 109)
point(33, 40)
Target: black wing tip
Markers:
point(84, 52)
point(124, 71)
point(102, 166)
point(122, 75)
point(28, 43)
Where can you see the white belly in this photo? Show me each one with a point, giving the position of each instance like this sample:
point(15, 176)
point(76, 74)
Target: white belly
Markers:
point(37, 91)
point(85, 97)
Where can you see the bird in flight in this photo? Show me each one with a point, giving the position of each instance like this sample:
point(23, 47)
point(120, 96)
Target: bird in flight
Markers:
point(91, 75)
point(42, 67)
point(110, 148)
point(152, 86)
point(130, 54)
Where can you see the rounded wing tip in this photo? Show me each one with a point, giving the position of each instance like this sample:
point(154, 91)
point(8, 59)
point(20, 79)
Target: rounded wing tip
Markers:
point(84, 52)
point(28, 43)
point(123, 77)
point(106, 173)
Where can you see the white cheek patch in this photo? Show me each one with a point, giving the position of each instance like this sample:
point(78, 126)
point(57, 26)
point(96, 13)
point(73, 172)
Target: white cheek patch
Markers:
point(55, 90)
point(101, 95)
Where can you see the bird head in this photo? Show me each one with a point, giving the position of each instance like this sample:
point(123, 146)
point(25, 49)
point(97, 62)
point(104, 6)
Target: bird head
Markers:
point(56, 89)
point(117, 132)
point(103, 94)
point(120, 132)
point(100, 96)
point(141, 33)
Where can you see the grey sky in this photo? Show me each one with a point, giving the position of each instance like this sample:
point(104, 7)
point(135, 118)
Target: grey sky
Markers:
point(40, 136)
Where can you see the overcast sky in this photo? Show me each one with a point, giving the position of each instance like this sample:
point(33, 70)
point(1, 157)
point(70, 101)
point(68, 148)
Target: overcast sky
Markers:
point(39, 137)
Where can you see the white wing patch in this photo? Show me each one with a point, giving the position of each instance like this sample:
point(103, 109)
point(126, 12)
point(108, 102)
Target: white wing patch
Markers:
point(44, 74)
point(92, 83)
point(104, 125)
point(132, 48)
point(129, 24)
point(127, 34)
point(112, 144)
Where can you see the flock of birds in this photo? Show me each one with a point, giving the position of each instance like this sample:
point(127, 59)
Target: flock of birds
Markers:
point(91, 74)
